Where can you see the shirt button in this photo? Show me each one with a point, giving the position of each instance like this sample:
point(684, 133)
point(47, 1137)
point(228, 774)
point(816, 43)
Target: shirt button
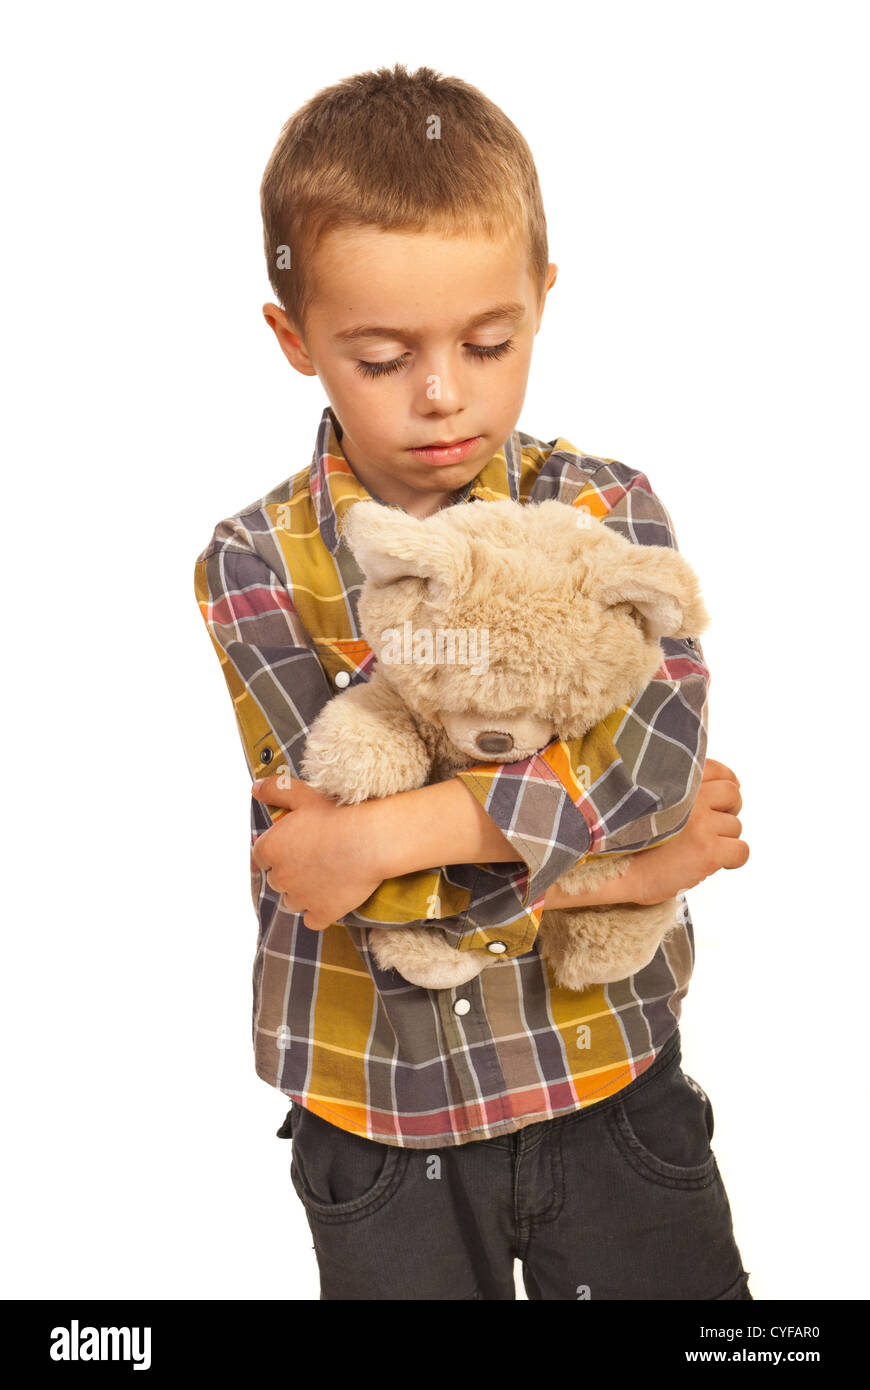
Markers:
point(342, 679)
point(496, 947)
point(462, 1006)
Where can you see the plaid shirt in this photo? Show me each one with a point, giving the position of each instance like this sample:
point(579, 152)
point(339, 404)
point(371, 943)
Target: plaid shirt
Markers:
point(359, 1046)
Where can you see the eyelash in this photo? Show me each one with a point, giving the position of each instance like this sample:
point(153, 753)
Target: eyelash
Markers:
point(481, 353)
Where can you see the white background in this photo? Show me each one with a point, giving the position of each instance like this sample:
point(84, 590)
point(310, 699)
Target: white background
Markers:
point(704, 174)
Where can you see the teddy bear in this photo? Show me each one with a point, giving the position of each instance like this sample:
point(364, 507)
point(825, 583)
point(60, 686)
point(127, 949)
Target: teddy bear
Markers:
point(498, 627)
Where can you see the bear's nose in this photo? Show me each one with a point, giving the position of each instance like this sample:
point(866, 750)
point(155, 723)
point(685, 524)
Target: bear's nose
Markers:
point(494, 742)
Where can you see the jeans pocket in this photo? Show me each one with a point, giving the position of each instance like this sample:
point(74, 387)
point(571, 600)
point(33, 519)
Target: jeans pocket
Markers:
point(339, 1176)
point(663, 1130)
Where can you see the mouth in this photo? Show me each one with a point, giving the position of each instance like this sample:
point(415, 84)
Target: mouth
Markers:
point(451, 451)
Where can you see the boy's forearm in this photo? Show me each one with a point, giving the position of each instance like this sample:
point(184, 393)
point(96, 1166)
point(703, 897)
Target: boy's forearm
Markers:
point(429, 826)
point(445, 824)
point(613, 890)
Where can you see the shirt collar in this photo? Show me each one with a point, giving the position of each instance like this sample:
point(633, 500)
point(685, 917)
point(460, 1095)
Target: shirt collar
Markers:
point(334, 484)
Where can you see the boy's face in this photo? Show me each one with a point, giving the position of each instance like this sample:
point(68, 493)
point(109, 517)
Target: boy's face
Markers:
point(410, 301)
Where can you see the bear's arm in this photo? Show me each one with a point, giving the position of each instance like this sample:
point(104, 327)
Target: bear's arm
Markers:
point(278, 688)
point(631, 781)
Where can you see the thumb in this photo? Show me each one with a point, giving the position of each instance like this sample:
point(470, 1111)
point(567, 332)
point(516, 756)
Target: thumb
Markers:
point(281, 789)
point(718, 771)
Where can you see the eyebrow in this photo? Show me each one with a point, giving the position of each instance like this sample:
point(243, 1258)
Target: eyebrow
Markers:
point(512, 310)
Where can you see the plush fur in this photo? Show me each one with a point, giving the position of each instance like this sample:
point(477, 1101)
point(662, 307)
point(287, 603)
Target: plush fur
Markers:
point(561, 619)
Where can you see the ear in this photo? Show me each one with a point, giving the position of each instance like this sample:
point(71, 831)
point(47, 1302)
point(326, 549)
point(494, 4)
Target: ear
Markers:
point(660, 585)
point(390, 545)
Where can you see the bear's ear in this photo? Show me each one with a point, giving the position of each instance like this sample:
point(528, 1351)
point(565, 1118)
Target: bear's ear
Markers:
point(659, 584)
point(389, 545)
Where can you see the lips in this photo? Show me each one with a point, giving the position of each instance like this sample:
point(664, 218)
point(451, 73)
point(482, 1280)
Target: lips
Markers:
point(447, 453)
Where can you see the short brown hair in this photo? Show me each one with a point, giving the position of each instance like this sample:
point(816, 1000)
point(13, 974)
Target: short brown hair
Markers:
point(359, 154)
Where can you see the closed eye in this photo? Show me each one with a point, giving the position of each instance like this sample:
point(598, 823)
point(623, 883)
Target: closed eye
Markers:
point(479, 353)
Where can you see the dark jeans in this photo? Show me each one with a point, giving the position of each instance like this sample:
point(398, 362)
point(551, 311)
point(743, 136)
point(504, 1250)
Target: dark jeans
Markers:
point(620, 1200)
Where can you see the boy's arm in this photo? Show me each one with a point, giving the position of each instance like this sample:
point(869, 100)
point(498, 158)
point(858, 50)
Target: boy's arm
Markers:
point(628, 784)
point(278, 687)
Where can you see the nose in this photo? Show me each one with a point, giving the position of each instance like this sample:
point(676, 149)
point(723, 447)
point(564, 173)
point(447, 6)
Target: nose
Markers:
point(439, 382)
point(494, 742)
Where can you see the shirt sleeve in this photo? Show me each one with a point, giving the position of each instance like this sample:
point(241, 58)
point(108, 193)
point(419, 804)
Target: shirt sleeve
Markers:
point(278, 687)
point(630, 782)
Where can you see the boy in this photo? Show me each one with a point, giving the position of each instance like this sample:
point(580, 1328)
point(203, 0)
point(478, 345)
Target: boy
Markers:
point(438, 1135)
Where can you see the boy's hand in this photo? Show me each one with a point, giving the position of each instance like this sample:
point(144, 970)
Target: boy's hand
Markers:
point(707, 842)
point(315, 854)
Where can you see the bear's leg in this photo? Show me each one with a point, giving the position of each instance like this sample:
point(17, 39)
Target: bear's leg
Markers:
point(423, 956)
point(599, 945)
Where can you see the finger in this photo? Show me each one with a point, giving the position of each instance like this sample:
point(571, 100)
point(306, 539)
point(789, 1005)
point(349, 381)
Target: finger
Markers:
point(289, 903)
point(722, 795)
point(260, 852)
point(276, 790)
point(734, 854)
point(714, 769)
point(724, 824)
point(292, 905)
point(313, 923)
